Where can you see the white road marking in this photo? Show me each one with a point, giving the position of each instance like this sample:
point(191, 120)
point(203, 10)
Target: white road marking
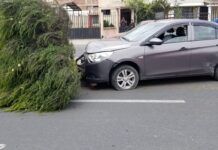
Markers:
point(129, 101)
point(2, 146)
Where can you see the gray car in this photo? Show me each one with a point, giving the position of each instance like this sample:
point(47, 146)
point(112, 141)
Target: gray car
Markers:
point(158, 49)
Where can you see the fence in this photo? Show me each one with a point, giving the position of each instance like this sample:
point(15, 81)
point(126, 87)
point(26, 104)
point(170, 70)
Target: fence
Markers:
point(110, 20)
point(203, 16)
point(214, 13)
point(195, 15)
point(84, 25)
point(84, 33)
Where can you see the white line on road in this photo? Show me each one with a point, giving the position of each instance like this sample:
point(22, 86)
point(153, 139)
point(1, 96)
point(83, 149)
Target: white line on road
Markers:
point(130, 101)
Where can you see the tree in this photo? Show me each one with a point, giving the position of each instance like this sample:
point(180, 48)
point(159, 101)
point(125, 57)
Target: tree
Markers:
point(137, 6)
point(160, 6)
point(145, 10)
point(37, 67)
point(177, 12)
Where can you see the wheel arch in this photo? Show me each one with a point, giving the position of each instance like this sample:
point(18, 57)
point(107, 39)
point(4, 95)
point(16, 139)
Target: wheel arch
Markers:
point(129, 63)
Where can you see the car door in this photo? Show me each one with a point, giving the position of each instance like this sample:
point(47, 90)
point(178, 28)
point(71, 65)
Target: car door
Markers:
point(204, 48)
point(170, 58)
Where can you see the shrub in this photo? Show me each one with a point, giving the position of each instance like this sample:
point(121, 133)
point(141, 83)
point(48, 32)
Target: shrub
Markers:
point(106, 24)
point(37, 67)
point(146, 10)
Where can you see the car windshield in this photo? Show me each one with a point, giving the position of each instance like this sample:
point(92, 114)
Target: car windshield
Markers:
point(143, 31)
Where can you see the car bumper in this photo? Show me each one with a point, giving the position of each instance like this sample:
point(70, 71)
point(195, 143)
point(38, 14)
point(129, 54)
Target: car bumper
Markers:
point(95, 72)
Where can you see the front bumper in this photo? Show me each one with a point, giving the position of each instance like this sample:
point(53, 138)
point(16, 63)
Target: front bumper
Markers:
point(95, 72)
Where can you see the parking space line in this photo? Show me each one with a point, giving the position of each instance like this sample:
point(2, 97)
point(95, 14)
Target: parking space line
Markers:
point(129, 101)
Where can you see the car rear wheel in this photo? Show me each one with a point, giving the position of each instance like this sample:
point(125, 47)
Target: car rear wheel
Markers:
point(216, 73)
point(125, 78)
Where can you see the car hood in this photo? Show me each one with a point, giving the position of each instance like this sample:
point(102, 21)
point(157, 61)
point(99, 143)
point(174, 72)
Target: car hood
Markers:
point(106, 45)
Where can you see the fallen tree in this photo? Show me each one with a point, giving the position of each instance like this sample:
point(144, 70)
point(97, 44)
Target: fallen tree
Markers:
point(37, 67)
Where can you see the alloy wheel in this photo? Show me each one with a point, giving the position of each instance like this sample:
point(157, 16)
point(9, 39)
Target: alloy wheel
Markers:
point(126, 79)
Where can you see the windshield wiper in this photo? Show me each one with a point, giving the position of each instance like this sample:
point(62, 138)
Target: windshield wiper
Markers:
point(125, 38)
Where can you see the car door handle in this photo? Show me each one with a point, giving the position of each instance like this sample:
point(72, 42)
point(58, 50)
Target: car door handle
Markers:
point(183, 49)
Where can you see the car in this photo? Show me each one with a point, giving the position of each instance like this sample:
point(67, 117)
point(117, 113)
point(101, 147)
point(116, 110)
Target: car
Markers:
point(215, 20)
point(158, 49)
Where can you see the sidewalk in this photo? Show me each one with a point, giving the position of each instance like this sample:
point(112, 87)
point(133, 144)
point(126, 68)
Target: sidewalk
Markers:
point(81, 41)
point(80, 45)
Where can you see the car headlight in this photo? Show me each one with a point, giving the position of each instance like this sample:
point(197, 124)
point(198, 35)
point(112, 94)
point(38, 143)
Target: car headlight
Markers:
point(98, 57)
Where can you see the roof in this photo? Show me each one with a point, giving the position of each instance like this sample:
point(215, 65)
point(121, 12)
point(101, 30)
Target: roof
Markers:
point(62, 2)
point(71, 3)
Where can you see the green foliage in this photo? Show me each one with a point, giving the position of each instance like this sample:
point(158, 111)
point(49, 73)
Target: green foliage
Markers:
point(107, 24)
point(138, 6)
point(146, 11)
point(160, 6)
point(37, 67)
point(134, 4)
point(177, 12)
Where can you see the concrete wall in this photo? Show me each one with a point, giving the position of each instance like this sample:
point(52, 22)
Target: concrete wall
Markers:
point(111, 4)
point(191, 2)
point(186, 2)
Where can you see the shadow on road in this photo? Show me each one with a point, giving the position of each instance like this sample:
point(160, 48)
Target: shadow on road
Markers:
point(156, 82)
point(172, 89)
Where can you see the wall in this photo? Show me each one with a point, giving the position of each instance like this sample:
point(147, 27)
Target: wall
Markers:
point(104, 4)
point(190, 2)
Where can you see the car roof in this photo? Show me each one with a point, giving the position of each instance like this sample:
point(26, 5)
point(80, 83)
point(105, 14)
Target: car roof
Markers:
point(172, 21)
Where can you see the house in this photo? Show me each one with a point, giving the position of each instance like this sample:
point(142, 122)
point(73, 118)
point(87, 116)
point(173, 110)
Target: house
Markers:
point(201, 9)
point(103, 14)
point(82, 13)
point(111, 13)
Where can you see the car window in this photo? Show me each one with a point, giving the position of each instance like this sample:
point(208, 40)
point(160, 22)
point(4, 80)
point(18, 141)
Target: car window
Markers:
point(204, 33)
point(175, 34)
point(217, 33)
point(143, 31)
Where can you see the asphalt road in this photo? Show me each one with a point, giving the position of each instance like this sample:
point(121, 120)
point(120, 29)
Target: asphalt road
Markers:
point(192, 125)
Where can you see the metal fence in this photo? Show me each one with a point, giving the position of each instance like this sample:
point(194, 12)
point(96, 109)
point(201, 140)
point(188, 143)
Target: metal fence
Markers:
point(202, 15)
point(214, 13)
point(84, 25)
point(85, 33)
point(113, 21)
point(110, 21)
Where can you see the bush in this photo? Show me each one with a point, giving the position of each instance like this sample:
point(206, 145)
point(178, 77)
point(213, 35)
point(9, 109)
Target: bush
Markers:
point(106, 24)
point(37, 67)
point(146, 10)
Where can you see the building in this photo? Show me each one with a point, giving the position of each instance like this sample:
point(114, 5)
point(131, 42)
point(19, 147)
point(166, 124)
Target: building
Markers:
point(106, 15)
point(111, 13)
point(102, 18)
point(201, 9)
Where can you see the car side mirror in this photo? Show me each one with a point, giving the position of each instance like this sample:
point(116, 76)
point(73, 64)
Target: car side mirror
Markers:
point(155, 41)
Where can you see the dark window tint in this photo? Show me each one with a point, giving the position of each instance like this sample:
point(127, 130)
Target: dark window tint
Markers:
point(176, 34)
point(204, 33)
point(217, 33)
point(106, 12)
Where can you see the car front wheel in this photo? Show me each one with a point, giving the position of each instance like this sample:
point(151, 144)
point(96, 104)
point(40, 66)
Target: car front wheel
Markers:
point(125, 78)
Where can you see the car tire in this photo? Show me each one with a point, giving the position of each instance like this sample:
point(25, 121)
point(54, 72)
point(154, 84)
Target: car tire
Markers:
point(125, 78)
point(216, 73)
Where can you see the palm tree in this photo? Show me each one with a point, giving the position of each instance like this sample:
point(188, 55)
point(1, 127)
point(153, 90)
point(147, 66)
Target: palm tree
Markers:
point(161, 6)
